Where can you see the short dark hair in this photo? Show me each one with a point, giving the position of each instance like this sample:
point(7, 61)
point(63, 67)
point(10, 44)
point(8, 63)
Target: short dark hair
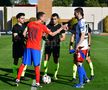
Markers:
point(39, 15)
point(19, 15)
point(80, 10)
point(55, 15)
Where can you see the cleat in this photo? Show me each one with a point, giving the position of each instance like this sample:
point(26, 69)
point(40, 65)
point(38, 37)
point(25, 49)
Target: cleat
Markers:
point(73, 79)
point(79, 86)
point(17, 82)
point(37, 85)
point(91, 77)
point(87, 81)
point(55, 77)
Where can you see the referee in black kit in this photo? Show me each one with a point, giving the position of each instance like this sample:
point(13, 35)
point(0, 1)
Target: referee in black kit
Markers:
point(53, 44)
point(18, 43)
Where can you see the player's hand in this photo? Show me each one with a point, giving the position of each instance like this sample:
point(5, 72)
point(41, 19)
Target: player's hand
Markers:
point(65, 27)
point(79, 47)
point(71, 51)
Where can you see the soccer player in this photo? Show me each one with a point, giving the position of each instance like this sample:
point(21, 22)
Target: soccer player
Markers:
point(88, 54)
point(81, 46)
point(52, 45)
point(34, 32)
point(18, 42)
point(72, 25)
point(88, 59)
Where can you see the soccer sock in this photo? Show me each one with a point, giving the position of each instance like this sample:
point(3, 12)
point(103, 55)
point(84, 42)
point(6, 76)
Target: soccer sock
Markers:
point(84, 73)
point(14, 70)
point(37, 74)
point(45, 66)
point(80, 74)
point(20, 71)
point(74, 70)
point(23, 73)
point(56, 70)
point(91, 68)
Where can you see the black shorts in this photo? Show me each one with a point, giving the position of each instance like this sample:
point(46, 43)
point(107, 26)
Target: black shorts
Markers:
point(53, 49)
point(88, 53)
point(18, 50)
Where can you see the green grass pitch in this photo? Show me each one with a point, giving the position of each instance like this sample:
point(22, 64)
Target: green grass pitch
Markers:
point(99, 56)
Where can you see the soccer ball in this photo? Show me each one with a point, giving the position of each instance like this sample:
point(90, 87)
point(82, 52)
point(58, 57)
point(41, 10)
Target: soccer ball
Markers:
point(46, 79)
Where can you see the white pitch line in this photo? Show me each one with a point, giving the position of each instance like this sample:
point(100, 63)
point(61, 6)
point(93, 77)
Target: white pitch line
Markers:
point(34, 81)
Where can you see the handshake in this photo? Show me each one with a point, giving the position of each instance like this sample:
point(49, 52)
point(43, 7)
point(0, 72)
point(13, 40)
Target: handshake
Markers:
point(65, 27)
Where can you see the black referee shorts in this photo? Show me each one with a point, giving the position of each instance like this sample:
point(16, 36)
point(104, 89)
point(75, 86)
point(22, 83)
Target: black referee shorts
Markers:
point(53, 49)
point(18, 50)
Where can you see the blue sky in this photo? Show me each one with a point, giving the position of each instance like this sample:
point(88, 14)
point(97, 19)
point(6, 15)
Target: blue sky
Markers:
point(33, 1)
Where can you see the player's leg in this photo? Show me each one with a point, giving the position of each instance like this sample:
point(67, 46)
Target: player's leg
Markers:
point(47, 57)
point(26, 61)
point(74, 68)
point(56, 53)
point(81, 71)
point(22, 47)
point(15, 66)
point(81, 75)
point(36, 57)
point(23, 74)
point(90, 65)
point(21, 68)
point(16, 58)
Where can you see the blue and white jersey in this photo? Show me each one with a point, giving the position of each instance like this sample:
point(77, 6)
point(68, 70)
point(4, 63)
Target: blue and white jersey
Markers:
point(81, 28)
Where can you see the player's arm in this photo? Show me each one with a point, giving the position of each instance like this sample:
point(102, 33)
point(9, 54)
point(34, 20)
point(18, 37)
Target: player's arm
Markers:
point(48, 31)
point(56, 32)
point(25, 32)
point(64, 27)
point(16, 37)
point(89, 36)
point(63, 36)
point(44, 37)
point(15, 34)
point(89, 39)
point(81, 39)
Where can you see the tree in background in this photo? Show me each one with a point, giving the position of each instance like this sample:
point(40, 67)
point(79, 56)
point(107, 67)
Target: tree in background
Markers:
point(80, 3)
point(5, 3)
point(92, 3)
point(105, 24)
point(62, 2)
point(103, 3)
point(23, 2)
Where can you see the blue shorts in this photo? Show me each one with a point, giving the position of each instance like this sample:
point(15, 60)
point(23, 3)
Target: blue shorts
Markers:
point(31, 55)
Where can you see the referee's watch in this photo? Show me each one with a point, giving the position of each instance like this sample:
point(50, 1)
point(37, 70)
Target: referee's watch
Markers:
point(89, 45)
